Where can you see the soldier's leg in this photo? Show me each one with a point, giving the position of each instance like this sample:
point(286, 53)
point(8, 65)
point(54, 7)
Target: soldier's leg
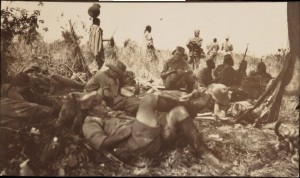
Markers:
point(179, 121)
point(188, 80)
point(99, 61)
point(67, 82)
point(128, 104)
point(170, 82)
point(23, 113)
point(197, 62)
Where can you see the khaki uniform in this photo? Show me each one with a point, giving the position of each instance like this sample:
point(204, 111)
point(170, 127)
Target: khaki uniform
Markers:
point(194, 46)
point(103, 80)
point(227, 46)
point(17, 112)
point(173, 79)
point(213, 50)
point(43, 84)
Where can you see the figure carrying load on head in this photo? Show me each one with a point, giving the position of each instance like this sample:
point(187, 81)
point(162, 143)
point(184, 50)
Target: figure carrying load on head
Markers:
point(150, 49)
point(96, 36)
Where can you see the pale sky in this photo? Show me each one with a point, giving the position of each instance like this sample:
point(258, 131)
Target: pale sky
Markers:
point(261, 24)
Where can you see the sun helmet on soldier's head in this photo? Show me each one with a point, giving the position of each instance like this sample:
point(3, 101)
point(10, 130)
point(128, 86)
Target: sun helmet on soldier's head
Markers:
point(219, 92)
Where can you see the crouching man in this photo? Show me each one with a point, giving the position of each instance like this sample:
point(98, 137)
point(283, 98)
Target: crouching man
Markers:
point(146, 135)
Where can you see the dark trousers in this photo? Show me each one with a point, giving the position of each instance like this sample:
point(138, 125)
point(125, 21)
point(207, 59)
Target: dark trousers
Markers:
point(175, 81)
point(100, 60)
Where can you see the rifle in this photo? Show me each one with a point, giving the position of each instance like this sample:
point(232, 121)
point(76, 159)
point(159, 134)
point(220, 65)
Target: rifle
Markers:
point(243, 64)
point(245, 52)
point(193, 58)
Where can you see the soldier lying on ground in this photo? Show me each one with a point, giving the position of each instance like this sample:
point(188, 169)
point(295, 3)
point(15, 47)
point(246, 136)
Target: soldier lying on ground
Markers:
point(216, 93)
point(75, 109)
point(146, 135)
point(109, 81)
point(20, 106)
point(224, 108)
point(177, 73)
point(42, 83)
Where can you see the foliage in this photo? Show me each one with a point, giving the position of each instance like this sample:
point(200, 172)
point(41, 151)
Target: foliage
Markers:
point(17, 22)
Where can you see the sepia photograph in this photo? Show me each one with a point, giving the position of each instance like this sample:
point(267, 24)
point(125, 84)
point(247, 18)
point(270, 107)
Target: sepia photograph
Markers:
point(146, 88)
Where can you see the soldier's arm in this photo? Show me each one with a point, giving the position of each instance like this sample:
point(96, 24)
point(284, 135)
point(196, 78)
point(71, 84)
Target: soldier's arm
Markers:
point(93, 131)
point(210, 49)
point(165, 72)
point(186, 67)
point(100, 39)
point(188, 44)
point(218, 47)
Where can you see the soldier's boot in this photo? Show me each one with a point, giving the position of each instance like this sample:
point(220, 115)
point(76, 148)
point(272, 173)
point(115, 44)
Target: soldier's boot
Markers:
point(196, 141)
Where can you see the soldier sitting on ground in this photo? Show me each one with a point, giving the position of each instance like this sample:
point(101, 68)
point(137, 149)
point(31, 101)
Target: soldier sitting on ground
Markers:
point(262, 72)
point(146, 135)
point(177, 73)
point(255, 84)
point(225, 74)
point(204, 77)
point(110, 81)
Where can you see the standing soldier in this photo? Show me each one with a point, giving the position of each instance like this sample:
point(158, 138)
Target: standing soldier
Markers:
point(150, 50)
point(227, 46)
point(96, 36)
point(213, 50)
point(194, 46)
